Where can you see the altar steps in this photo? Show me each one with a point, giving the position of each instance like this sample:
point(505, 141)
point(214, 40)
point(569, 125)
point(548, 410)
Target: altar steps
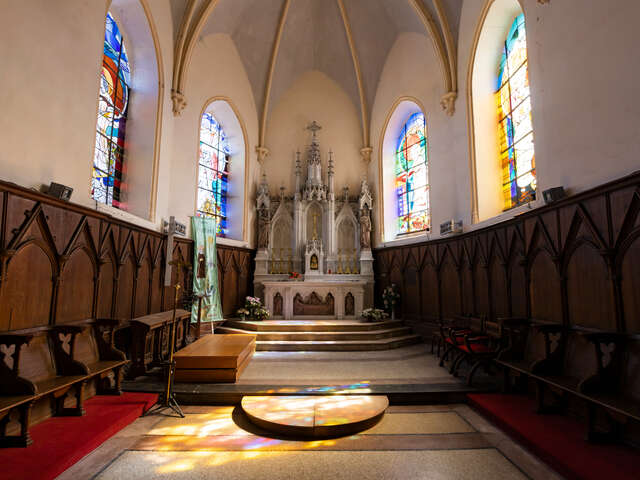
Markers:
point(310, 325)
point(323, 335)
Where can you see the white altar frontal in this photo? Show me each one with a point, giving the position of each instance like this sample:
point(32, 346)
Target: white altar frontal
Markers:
point(323, 237)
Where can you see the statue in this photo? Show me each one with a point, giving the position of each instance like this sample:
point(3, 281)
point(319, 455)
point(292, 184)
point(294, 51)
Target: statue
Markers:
point(313, 263)
point(263, 228)
point(349, 307)
point(365, 228)
point(277, 304)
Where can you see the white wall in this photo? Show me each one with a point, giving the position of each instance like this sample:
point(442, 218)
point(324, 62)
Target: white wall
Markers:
point(583, 67)
point(314, 96)
point(52, 56)
point(412, 70)
point(216, 71)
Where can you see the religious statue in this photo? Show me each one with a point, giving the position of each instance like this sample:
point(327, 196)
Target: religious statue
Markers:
point(277, 304)
point(365, 228)
point(349, 307)
point(314, 262)
point(202, 265)
point(263, 228)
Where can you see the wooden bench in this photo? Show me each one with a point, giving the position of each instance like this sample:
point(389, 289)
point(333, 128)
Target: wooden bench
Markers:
point(150, 339)
point(45, 362)
point(554, 375)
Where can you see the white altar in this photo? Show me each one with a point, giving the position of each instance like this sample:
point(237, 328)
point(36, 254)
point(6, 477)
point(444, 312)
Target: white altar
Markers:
point(324, 237)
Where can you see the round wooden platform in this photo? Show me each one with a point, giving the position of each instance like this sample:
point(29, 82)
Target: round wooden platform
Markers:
point(315, 416)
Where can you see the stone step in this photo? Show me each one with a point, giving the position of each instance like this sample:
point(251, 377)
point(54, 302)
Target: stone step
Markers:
point(338, 346)
point(337, 336)
point(311, 325)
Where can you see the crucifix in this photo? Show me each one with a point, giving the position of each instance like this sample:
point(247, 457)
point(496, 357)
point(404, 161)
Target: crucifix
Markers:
point(315, 226)
point(314, 127)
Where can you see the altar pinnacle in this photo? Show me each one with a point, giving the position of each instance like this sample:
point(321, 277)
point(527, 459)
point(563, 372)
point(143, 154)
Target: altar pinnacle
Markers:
point(314, 127)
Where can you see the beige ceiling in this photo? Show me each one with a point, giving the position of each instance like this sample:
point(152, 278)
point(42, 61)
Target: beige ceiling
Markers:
point(314, 37)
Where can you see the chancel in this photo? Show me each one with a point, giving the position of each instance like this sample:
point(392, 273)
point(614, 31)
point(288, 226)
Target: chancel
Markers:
point(317, 239)
point(313, 231)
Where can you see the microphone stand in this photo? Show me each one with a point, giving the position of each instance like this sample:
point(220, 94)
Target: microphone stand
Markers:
point(168, 400)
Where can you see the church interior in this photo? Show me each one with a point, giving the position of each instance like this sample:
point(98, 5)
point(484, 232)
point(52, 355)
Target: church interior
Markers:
point(311, 239)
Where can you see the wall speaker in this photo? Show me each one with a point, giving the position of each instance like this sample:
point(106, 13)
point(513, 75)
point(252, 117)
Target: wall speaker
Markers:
point(553, 194)
point(60, 191)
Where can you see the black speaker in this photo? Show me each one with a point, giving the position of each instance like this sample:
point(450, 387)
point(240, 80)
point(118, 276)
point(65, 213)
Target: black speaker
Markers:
point(60, 191)
point(553, 194)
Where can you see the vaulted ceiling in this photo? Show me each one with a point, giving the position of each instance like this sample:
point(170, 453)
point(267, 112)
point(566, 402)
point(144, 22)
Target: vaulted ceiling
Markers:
point(348, 40)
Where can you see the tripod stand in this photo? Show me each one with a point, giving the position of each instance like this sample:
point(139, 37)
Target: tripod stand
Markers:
point(168, 399)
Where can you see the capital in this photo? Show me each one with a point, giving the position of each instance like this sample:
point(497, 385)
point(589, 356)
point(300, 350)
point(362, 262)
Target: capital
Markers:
point(365, 153)
point(263, 152)
point(448, 102)
point(179, 102)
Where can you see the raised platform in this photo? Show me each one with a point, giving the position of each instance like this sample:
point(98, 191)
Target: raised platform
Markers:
point(324, 335)
point(214, 359)
point(315, 417)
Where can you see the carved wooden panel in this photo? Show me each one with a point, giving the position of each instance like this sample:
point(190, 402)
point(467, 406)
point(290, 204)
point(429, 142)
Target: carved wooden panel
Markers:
point(630, 286)
point(61, 262)
point(27, 288)
point(576, 261)
point(75, 292)
point(546, 298)
point(105, 290)
point(589, 290)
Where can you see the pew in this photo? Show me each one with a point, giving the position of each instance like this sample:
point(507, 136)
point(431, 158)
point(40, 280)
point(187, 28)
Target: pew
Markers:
point(51, 362)
point(150, 339)
point(559, 371)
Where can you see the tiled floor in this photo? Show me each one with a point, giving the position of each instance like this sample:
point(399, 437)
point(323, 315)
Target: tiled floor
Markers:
point(407, 365)
point(411, 442)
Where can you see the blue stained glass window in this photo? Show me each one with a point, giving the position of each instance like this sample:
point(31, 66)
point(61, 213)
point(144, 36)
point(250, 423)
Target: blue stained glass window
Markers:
point(213, 173)
point(115, 78)
point(515, 128)
point(412, 177)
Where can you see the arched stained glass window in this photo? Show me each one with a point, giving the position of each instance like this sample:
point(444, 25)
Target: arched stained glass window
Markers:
point(112, 117)
point(213, 173)
point(412, 177)
point(514, 115)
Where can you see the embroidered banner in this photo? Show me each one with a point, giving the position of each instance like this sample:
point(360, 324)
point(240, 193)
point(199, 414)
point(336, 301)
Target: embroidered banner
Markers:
point(205, 273)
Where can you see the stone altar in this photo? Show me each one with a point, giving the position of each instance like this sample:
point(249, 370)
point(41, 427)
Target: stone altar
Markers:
point(321, 235)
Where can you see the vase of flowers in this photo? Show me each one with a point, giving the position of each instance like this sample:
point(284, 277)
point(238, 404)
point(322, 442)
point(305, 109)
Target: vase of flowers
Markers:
point(373, 314)
point(253, 309)
point(390, 297)
point(242, 313)
point(295, 276)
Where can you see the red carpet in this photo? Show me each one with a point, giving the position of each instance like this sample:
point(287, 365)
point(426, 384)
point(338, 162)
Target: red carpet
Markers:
point(60, 442)
point(557, 439)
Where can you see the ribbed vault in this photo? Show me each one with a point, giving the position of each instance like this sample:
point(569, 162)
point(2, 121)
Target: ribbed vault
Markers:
point(348, 40)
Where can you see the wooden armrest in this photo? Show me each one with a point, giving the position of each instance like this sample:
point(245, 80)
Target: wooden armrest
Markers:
point(605, 337)
point(108, 322)
point(14, 339)
point(549, 327)
point(66, 329)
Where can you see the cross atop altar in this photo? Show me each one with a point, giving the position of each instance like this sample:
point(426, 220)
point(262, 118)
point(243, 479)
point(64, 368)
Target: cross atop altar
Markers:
point(312, 232)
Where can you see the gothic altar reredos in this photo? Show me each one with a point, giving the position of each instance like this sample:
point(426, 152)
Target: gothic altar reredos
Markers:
point(323, 236)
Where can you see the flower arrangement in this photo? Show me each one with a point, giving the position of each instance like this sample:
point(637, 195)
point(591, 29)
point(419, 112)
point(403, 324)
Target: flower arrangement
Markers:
point(253, 309)
point(373, 314)
point(294, 276)
point(390, 297)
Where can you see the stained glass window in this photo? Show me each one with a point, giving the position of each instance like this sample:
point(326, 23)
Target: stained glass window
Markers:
point(412, 177)
point(213, 173)
point(115, 79)
point(515, 129)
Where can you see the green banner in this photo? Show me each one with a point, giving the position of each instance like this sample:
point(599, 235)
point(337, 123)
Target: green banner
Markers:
point(205, 269)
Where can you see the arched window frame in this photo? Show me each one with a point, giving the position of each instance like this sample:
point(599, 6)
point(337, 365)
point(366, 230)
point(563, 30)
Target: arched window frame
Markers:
point(412, 177)
point(515, 126)
point(106, 182)
point(213, 173)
